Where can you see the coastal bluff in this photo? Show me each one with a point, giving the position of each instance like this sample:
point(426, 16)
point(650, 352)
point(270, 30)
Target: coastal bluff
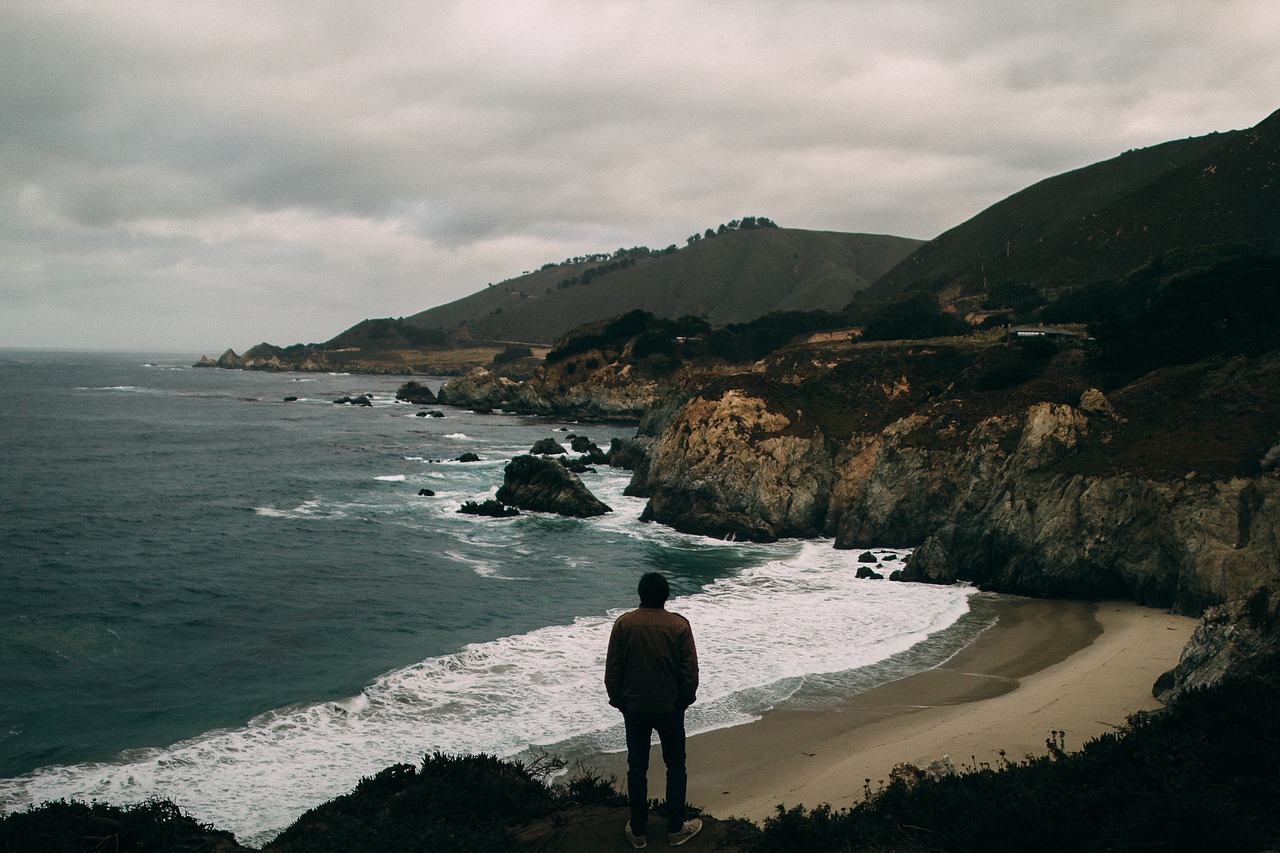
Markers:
point(1077, 499)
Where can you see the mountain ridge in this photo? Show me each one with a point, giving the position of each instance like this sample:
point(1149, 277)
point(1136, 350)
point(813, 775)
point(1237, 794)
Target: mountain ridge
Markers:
point(732, 277)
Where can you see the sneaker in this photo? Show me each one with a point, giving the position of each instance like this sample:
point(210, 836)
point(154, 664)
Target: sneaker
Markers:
point(689, 830)
point(637, 841)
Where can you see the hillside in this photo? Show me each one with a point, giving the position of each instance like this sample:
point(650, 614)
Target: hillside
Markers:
point(732, 277)
point(1102, 221)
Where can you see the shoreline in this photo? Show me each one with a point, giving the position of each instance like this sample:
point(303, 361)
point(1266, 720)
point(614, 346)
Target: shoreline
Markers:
point(1076, 667)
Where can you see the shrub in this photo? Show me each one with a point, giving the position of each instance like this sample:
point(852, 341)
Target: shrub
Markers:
point(512, 353)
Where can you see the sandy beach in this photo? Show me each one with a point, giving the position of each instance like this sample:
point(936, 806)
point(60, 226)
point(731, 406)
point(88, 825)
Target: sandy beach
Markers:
point(1076, 667)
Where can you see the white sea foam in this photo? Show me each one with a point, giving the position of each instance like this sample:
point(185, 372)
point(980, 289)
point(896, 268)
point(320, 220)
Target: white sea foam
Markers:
point(307, 509)
point(760, 634)
point(392, 478)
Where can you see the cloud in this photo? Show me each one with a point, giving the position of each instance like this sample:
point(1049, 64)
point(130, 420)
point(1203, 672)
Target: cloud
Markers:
point(218, 173)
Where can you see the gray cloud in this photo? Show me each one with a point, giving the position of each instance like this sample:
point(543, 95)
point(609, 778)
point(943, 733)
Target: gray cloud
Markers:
point(203, 174)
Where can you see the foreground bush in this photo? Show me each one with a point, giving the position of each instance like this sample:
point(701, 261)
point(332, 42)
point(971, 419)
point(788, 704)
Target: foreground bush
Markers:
point(73, 827)
point(468, 804)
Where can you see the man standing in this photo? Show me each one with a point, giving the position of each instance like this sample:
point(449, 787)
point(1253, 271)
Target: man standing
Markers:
point(651, 674)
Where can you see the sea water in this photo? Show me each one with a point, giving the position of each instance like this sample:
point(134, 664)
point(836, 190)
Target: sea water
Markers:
point(244, 604)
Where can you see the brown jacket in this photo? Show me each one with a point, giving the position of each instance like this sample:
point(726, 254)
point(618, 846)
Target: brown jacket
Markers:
point(652, 664)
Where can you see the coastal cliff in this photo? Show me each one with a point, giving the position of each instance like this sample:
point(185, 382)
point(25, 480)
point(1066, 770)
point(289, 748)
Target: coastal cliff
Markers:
point(1144, 494)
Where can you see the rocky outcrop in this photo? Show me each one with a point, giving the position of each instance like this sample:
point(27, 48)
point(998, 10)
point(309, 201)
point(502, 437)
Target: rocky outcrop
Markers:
point(539, 484)
point(729, 466)
point(1235, 638)
point(479, 389)
point(416, 393)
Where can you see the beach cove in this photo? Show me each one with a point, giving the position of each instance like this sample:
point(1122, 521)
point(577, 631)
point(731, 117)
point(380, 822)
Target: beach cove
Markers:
point(1076, 667)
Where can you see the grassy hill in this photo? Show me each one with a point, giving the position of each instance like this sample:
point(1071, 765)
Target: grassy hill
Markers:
point(733, 277)
point(1105, 220)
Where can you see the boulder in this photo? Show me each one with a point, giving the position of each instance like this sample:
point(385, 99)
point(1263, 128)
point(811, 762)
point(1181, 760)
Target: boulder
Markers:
point(546, 447)
point(426, 493)
point(544, 485)
point(416, 393)
point(468, 457)
point(868, 573)
point(361, 400)
point(590, 451)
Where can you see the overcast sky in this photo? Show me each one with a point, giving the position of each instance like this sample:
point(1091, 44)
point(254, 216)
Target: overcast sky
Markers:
point(201, 175)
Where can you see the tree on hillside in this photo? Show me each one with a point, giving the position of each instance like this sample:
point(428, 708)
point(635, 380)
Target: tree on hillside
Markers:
point(913, 318)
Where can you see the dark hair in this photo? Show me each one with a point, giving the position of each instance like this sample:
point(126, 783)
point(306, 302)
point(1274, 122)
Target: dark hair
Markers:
point(654, 590)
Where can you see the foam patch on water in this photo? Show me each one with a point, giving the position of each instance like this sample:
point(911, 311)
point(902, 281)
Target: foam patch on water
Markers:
point(760, 634)
point(307, 509)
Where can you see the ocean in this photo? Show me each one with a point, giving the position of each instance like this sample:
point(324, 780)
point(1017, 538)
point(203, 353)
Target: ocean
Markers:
point(244, 604)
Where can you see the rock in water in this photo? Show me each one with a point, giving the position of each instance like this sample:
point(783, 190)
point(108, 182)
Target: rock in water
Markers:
point(546, 447)
point(544, 485)
point(490, 508)
point(416, 393)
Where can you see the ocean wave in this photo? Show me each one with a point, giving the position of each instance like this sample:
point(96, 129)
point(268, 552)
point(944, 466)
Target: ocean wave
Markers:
point(761, 634)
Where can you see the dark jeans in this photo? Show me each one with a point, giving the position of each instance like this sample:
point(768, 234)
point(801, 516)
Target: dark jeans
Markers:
point(670, 729)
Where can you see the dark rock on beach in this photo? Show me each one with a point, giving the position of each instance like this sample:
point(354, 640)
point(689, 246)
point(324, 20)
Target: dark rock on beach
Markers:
point(544, 485)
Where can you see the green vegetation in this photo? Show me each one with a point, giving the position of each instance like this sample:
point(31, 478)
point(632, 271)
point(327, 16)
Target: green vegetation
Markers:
point(660, 341)
point(514, 352)
point(388, 332)
point(746, 223)
point(74, 827)
point(468, 803)
point(1181, 307)
point(756, 339)
point(658, 333)
point(913, 317)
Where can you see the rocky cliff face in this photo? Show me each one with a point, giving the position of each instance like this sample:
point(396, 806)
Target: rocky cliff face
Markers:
point(730, 467)
point(1017, 502)
point(1005, 510)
